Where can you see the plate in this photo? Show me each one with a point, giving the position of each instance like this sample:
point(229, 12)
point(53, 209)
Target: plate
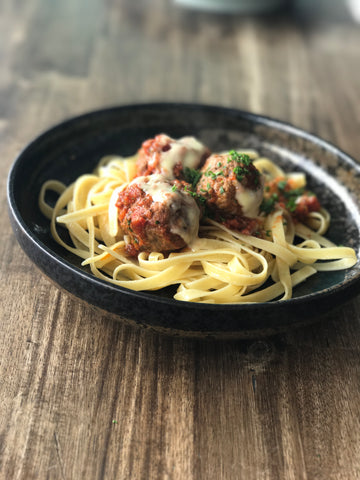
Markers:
point(75, 146)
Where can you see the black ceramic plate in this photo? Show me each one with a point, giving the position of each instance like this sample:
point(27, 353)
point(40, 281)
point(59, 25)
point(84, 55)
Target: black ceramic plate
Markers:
point(75, 146)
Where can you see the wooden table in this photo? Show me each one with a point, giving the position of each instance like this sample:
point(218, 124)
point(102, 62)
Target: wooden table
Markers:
point(84, 397)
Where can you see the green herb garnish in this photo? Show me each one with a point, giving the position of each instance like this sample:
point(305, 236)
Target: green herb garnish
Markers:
point(213, 175)
point(291, 204)
point(240, 158)
point(268, 204)
point(282, 184)
point(296, 192)
point(239, 172)
point(192, 176)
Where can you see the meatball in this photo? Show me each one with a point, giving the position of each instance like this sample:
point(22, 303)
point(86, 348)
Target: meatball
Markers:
point(157, 215)
point(170, 157)
point(232, 188)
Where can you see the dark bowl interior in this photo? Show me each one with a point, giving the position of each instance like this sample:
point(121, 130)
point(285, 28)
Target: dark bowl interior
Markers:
point(74, 147)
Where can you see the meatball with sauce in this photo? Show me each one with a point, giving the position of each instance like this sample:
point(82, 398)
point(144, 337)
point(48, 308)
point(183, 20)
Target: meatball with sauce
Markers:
point(170, 157)
point(233, 190)
point(157, 215)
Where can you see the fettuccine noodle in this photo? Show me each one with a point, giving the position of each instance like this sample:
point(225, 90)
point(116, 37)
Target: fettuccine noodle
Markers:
point(220, 266)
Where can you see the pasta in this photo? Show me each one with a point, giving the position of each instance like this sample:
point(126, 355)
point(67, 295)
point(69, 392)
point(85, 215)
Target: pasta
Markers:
point(221, 265)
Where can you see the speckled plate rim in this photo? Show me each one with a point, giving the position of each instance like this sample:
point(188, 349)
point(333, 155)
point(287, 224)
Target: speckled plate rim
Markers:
point(339, 292)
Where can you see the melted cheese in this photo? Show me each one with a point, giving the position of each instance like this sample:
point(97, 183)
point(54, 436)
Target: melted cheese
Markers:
point(187, 150)
point(155, 185)
point(185, 224)
point(249, 200)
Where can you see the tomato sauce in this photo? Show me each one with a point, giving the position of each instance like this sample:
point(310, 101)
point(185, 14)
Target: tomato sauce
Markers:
point(297, 201)
point(134, 211)
point(244, 225)
point(151, 150)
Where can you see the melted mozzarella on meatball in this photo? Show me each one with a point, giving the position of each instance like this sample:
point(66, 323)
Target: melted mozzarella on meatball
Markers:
point(231, 186)
point(156, 214)
point(249, 200)
point(187, 150)
point(184, 212)
point(170, 157)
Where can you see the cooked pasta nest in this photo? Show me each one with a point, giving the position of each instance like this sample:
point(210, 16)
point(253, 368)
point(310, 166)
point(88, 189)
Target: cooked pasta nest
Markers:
point(222, 266)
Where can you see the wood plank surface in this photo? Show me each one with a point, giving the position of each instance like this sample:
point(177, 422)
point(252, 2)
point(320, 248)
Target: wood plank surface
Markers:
point(85, 397)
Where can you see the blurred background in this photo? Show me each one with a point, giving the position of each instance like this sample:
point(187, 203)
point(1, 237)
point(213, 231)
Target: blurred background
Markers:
point(299, 61)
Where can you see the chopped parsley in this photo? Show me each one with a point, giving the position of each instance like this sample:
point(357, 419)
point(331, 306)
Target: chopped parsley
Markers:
point(291, 204)
point(292, 196)
point(268, 204)
point(239, 158)
point(239, 172)
point(174, 188)
point(200, 200)
point(192, 176)
point(282, 184)
point(241, 169)
point(213, 175)
point(221, 190)
point(296, 192)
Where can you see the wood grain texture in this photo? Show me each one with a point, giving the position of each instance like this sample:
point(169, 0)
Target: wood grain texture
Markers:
point(84, 397)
